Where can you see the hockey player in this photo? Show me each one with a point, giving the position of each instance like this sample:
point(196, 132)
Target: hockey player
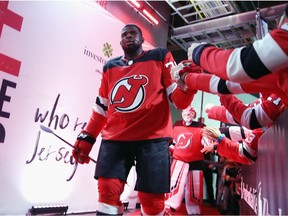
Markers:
point(187, 182)
point(132, 110)
point(260, 113)
point(266, 56)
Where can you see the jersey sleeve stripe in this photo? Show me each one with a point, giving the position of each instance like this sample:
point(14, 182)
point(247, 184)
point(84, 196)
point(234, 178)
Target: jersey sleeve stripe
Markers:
point(254, 122)
point(273, 56)
point(245, 118)
point(240, 149)
point(214, 83)
point(256, 69)
point(230, 118)
point(101, 106)
point(242, 133)
point(235, 70)
point(222, 87)
point(247, 151)
point(234, 88)
point(171, 88)
point(263, 118)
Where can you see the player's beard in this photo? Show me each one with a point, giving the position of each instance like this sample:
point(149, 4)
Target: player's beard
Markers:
point(132, 48)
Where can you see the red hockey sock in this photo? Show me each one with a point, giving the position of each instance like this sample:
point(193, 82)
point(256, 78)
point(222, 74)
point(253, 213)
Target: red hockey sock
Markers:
point(110, 191)
point(151, 204)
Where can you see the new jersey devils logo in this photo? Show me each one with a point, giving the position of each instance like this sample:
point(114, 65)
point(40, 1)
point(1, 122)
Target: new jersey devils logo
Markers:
point(184, 140)
point(128, 93)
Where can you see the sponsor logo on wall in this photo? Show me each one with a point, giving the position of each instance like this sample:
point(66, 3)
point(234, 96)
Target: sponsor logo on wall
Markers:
point(106, 51)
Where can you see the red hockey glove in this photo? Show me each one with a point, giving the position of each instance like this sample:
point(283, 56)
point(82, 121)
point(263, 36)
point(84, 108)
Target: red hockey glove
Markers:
point(83, 146)
point(190, 67)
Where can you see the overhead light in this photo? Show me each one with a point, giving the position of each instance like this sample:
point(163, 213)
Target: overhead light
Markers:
point(142, 11)
point(135, 3)
point(145, 17)
point(48, 209)
point(150, 16)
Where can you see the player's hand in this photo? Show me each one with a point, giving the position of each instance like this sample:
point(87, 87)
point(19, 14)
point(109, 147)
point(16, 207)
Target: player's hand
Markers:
point(83, 146)
point(208, 107)
point(208, 149)
point(174, 73)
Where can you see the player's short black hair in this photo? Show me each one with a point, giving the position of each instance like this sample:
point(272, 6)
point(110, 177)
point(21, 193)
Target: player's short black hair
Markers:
point(286, 10)
point(134, 25)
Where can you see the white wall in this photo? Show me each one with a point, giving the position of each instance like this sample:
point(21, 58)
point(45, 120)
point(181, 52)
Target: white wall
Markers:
point(57, 78)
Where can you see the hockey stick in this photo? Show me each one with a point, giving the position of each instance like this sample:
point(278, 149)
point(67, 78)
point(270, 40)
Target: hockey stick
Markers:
point(48, 130)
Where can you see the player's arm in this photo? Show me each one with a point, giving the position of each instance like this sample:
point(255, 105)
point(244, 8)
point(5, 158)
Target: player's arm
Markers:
point(245, 64)
point(242, 113)
point(212, 84)
point(96, 122)
point(226, 147)
point(219, 113)
point(88, 135)
point(215, 85)
point(261, 115)
point(247, 148)
point(235, 132)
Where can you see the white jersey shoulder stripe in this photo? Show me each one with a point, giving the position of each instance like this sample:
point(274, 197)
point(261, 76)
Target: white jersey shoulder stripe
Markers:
point(272, 56)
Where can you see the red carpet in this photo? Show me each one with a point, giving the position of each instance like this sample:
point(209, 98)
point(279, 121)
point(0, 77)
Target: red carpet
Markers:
point(207, 210)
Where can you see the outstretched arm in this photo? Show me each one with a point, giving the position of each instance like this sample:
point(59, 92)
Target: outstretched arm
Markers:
point(244, 152)
point(261, 113)
point(245, 64)
point(219, 113)
point(215, 85)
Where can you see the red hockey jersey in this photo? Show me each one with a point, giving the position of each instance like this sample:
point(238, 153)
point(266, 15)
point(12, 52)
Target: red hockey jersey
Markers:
point(188, 141)
point(133, 100)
